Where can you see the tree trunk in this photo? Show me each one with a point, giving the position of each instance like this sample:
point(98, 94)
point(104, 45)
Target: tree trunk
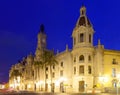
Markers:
point(35, 78)
point(45, 78)
point(52, 90)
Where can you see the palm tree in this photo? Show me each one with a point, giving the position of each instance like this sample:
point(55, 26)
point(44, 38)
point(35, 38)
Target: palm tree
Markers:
point(38, 65)
point(49, 60)
point(15, 73)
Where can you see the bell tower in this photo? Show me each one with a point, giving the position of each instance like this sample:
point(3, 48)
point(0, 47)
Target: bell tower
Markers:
point(83, 49)
point(41, 38)
point(41, 43)
point(83, 32)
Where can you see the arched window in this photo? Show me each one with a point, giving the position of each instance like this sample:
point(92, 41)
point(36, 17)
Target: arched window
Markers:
point(81, 37)
point(89, 38)
point(81, 58)
point(82, 12)
point(61, 64)
point(89, 58)
point(89, 70)
point(74, 70)
point(74, 59)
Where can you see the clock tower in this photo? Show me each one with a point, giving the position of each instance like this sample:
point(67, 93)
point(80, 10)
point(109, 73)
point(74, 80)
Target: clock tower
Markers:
point(41, 44)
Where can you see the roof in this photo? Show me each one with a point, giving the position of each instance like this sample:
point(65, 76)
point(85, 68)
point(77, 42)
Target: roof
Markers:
point(83, 20)
point(42, 29)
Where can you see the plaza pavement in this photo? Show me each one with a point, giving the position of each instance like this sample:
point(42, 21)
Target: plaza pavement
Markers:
point(34, 93)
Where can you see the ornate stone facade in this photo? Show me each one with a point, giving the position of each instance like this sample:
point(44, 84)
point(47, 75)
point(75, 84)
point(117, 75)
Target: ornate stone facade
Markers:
point(81, 69)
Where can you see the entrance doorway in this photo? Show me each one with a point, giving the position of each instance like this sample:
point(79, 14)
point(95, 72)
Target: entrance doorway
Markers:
point(53, 87)
point(81, 86)
point(61, 87)
point(46, 87)
point(114, 83)
point(34, 87)
point(25, 86)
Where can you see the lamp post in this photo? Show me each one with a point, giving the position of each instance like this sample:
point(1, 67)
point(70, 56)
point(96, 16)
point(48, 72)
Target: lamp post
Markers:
point(117, 88)
point(41, 83)
point(103, 80)
point(15, 83)
point(118, 82)
point(62, 80)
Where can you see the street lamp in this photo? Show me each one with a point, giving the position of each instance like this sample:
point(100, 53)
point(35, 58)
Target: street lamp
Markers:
point(14, 80)
point(118, 82)
point(62, 80)
point(57, 83)
point(41, 83)
point(103, 80)
point(29, 86)
point(38, 85)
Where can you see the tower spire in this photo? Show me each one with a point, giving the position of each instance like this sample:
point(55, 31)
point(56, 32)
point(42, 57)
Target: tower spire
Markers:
point(83, 20)
point(41, 43)
point(82, 11)
point(42, 29)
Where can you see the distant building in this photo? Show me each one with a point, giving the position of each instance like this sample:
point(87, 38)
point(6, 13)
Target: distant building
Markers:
point(2, 85)
point(81, 69)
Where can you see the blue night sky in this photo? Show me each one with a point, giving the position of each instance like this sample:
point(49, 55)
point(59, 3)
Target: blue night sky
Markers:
point(20, 21)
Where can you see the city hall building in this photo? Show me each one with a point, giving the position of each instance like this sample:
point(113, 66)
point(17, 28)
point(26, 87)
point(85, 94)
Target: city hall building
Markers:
point(80, 69)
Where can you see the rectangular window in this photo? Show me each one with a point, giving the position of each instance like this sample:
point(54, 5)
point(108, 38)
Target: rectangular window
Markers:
point(32, 73)
point(81, 37)
point(114, 61)
point(61, 73)
point(23, 69)
point(46, 68)
point(53, 66)
point(81, 69)
point(89, 38)
point(74, 70)
point(74, 59)
point(89, 58)
point(53, 75)
point(61, 64)
point(46, 76)
point(113, 72)
point(89, 70)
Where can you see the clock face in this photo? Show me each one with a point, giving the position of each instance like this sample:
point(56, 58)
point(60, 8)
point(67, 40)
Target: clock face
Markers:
point(43, 40)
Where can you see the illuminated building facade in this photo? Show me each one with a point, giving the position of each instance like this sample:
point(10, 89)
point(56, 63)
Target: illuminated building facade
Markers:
point(81, 69)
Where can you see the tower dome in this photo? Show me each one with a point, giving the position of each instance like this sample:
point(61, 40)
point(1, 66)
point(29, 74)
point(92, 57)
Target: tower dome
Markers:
point(83, 31)
point(83, 20)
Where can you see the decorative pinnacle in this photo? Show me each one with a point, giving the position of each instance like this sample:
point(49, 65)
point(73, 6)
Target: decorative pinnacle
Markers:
point(66, 47)
point(83, 10)
point(99, 43)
